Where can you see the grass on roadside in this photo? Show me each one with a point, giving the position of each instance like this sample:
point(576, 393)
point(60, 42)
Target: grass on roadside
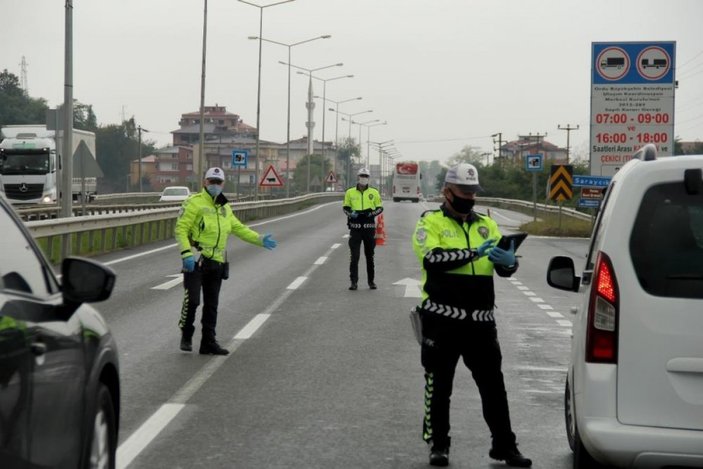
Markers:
point(549, 225)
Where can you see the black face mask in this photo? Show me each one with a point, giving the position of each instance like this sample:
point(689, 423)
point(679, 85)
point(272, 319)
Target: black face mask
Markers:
point(460, 205)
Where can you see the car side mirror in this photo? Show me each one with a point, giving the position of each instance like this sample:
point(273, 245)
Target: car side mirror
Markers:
point(85, 281)
point(561, 274)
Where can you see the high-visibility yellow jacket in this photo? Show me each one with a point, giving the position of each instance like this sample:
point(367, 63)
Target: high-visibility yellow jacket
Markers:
point(456, 283)
point(366, 203)
point(205, 223)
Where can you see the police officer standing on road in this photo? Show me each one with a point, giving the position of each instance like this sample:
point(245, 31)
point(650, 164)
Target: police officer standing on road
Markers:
point(362, 204)
point(455, 248)
point(204, 223)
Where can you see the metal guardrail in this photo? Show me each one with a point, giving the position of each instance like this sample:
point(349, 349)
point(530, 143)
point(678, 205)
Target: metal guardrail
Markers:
point(530, 206)
point(105, 232)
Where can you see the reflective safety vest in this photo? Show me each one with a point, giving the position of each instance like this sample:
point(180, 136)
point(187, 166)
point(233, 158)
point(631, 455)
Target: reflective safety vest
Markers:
point(456, 283)
point(205, 223)
point(367, 204)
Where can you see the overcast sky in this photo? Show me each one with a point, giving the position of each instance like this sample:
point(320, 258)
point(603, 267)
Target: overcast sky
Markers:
point(443, 74)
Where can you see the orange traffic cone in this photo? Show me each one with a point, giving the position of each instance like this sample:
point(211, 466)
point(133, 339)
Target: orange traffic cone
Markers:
point(380, 231)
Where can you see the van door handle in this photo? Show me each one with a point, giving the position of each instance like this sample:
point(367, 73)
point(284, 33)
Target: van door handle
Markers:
point(38, 348)
point(685, 365)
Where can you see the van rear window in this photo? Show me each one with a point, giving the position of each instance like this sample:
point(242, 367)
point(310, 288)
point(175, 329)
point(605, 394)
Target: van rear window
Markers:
point(666, 244)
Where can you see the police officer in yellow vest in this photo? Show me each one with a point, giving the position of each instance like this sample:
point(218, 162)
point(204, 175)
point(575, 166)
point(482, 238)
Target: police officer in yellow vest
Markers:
point(362, 204)
point(204, 224)
point(455, 247)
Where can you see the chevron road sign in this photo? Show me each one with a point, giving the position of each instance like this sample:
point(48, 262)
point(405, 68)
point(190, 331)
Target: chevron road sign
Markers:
point(560, 183)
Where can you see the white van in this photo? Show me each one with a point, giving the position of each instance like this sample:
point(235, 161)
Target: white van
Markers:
point(634, 388)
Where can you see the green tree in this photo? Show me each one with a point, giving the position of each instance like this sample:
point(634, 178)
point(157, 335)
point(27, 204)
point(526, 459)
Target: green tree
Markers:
point(317, 167)
point(15, 106)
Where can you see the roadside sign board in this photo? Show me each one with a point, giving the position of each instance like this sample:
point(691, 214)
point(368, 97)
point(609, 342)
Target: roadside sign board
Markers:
point(591, 181)
point(589, 203)
point(331, 178)
point(560, 182)
point(632, 101)
point(271, 178)
point(239, 158)
point(534, 163)
point(591, 193)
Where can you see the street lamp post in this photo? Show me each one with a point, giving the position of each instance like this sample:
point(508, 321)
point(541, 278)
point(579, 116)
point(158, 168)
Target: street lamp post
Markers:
point(336, 125)
point(383, 148)
point(290, 46)
point(311, 107)
point(324, 116)
point(349, 118)
point(258, 88)
point(365, 124)
point(368, 142)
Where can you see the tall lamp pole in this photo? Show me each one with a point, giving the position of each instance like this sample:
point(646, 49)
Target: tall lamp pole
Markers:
point(336, 125)
point(258, 88)
point(290, 46)
point(311, 107)
point(368, 142)
point(364, 124)
point(324, 117)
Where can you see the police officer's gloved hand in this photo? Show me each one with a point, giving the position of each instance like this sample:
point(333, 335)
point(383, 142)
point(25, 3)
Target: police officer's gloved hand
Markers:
point(353, 214)
point(188, 264)
point(502, 257)
point(268, 242)
point(485, 247)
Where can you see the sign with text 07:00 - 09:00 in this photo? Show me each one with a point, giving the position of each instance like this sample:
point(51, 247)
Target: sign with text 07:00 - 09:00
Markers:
point(632, 101)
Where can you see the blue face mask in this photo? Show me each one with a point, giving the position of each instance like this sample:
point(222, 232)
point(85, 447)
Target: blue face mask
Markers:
point(214, 189)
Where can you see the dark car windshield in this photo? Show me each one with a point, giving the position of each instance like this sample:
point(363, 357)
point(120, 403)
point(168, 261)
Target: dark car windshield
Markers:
point(666, 244)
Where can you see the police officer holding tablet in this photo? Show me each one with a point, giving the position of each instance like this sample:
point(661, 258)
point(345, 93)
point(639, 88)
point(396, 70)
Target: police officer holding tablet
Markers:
point(456, 249)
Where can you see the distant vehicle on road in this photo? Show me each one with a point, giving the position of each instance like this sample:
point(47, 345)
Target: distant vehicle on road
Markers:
point(633, 389)
point(406, 182)
point(59, 374)
point(174, 194)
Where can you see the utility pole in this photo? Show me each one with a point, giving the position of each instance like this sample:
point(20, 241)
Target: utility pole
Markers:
point(568, 129)
point(139, 132)
point(198, 168)
point(500, 144)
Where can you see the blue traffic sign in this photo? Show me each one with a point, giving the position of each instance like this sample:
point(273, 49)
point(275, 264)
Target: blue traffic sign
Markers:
point(589, 203)
point(533, 163)
point(591, 181)
point(239, 158)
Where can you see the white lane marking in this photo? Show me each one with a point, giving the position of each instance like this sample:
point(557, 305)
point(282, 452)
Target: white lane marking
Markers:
point(336, 245)
point(296, 283)
point(320, 260)
point(500, 215)
point(529, 293)
point(412, 287)
point(171, 283)
point(253, 325)
point(555, 315)
point(171, 246)
point(564, 322)
point(545, 307)
point(523, 288)
point(141, 438)
point(537, 300)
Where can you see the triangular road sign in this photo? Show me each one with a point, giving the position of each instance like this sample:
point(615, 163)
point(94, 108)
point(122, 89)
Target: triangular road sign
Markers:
point(271, 178)
point(331, 178)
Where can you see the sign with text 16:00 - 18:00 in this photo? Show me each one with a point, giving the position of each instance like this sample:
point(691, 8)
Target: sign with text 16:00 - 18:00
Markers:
point(632, 101)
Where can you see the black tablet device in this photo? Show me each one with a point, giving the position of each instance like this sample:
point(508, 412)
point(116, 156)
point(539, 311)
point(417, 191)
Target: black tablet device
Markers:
point(505, 240)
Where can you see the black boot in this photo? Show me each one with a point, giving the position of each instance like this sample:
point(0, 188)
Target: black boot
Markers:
point(353, 286)
point(211, 347)
point(511, 456)
point(372, 285)
point(186, 344)
point(439, 455)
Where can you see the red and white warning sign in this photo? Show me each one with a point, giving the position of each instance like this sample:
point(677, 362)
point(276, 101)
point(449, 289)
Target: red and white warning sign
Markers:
point(271, 178)
point(331, 178)
point(613, 63)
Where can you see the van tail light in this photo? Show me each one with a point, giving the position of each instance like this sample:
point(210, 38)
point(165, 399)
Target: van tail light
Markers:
point(603, 314)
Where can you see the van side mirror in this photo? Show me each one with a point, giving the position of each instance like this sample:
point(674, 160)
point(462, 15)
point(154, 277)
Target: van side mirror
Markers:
point(561, 274)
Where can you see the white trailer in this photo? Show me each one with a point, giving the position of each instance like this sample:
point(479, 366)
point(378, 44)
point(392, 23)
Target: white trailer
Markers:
point(29, 168)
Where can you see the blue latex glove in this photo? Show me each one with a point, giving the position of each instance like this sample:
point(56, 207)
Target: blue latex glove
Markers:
point(268, 242)
point(485, 247)
point(188, 264)
point(502, 257)
point(353, 215)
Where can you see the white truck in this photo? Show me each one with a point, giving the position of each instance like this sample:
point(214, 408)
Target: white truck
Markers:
point(29, 169)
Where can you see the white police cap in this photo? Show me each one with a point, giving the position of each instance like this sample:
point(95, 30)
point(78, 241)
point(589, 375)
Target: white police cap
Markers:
point(215, 173)
point(464, 176)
